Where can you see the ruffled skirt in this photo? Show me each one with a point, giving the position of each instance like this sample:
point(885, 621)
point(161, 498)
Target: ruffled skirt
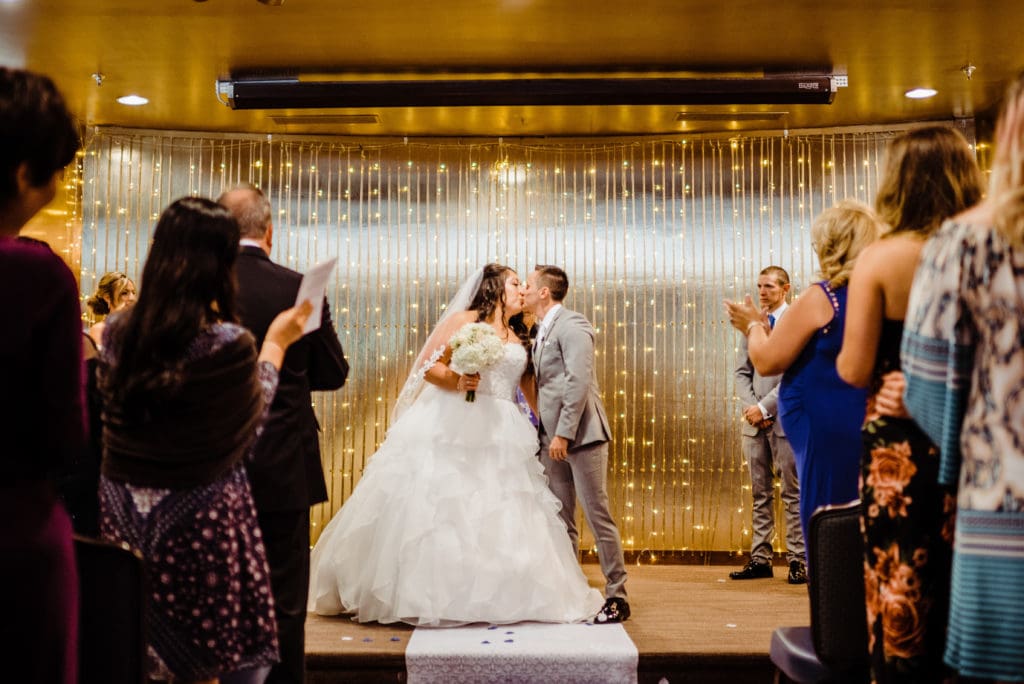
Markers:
point(452, 523)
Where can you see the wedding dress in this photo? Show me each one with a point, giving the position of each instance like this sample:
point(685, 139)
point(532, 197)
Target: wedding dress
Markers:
point(452, 521)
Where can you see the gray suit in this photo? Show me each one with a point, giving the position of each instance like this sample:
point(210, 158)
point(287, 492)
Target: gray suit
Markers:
point(569, 406)
point(768, 451)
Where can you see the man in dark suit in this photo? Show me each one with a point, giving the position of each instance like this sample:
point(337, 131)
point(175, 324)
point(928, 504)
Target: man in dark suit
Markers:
point(286, 474)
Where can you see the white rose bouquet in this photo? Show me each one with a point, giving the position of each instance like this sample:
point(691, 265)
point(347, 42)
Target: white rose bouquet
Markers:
point(475, 347)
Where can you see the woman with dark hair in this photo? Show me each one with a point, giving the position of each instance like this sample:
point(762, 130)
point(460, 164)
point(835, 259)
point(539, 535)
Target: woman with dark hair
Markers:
point(452, 521)
point(964, 362)
point(41, 399)
point(930, 174)
point(184, 394)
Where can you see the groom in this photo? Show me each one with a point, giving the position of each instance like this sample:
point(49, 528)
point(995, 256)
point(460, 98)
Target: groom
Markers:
point(573, 429)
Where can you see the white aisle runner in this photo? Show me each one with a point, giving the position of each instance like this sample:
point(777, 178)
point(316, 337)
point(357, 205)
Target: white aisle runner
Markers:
point(525, 652)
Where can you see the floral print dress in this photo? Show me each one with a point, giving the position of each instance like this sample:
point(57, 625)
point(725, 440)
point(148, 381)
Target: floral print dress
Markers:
point(210, 609)
point(907, 521)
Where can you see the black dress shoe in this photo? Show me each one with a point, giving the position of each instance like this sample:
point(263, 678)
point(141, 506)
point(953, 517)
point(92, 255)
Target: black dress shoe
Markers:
point(753, 570)
point(614, 610)
point(797, 572)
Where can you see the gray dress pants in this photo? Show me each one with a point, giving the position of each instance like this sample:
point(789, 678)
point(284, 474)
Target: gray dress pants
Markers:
point(584, 476)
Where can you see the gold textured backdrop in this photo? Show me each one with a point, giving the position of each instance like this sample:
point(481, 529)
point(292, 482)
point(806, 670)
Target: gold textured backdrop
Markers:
point(654, 234)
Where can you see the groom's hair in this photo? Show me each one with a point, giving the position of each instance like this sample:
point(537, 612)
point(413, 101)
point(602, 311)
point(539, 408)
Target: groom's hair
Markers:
point(555, 280)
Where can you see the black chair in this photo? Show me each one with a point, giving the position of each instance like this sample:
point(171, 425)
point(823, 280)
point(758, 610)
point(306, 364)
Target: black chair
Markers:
point(835, 646)
point(111, 640)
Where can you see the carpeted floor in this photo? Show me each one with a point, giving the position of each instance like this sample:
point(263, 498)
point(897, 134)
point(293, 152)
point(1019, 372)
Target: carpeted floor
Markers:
point(690, 623)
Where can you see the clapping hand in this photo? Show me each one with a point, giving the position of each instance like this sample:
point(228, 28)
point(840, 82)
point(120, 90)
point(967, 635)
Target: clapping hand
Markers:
point(742, 315)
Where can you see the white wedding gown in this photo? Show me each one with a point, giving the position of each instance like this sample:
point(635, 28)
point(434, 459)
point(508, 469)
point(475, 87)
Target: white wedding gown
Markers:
point(452, 521)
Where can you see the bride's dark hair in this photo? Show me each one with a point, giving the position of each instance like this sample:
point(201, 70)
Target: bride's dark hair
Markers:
point(490, 292)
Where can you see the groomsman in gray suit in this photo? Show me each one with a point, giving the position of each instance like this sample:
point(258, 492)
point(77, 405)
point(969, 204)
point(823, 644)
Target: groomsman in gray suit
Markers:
point(767, 450)
point(573, 429)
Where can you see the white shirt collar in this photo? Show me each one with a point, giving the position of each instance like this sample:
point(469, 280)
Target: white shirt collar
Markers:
point(547, 319)
point(249, 242)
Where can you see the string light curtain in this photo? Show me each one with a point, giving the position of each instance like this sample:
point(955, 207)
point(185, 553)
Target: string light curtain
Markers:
point(654, 234)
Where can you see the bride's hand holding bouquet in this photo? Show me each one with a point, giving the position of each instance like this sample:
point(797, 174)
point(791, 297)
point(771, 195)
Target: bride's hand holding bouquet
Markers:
point(475, 347)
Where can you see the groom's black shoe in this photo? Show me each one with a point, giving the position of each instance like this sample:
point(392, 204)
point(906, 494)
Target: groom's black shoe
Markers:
point(752, 570)
point(614, 610)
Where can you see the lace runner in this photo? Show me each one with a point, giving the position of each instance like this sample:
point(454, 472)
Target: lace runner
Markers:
point(525, 652)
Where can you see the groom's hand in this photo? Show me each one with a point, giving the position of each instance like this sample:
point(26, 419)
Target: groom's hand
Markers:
point(558, 450)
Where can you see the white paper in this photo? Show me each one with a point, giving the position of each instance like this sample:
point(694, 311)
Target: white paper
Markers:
point(314, 288)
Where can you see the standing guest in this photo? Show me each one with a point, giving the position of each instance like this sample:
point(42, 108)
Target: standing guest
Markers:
point(766, 448)
point(185, 393)
point(964, 363)
point(41, 399)
point(574, 431)
point(821, 414)
point(79, 483)
point(114, 292)
point(286, 474)
point(929, 175)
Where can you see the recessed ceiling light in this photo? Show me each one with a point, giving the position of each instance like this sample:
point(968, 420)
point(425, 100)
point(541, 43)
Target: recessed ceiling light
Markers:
point(921, 93)
point(133, 100)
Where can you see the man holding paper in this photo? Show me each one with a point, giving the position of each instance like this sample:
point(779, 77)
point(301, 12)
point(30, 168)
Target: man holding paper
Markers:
point(286, 474)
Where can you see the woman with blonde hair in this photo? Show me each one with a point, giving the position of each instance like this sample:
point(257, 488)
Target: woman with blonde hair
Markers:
point(820, 413)
point(964, 362)
point(930, 174)
point(115, 291)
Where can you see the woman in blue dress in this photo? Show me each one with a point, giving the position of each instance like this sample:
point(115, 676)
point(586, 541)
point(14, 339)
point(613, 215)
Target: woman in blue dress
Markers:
point(821, 414)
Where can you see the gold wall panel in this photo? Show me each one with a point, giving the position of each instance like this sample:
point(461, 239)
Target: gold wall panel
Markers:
point(654, 234)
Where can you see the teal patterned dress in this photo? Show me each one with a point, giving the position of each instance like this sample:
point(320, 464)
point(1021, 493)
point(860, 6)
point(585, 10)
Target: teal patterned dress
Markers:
point(963, 355)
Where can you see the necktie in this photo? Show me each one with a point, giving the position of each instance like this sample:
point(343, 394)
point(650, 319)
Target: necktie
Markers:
point(771, 320)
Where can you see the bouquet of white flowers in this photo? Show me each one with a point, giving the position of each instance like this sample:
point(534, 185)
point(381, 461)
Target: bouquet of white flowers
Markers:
point(475, 347)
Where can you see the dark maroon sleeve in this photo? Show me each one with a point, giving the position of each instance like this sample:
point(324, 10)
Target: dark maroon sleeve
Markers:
point(61, 371)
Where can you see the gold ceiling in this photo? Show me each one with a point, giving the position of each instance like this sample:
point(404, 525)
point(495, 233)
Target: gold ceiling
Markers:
point(173, 51)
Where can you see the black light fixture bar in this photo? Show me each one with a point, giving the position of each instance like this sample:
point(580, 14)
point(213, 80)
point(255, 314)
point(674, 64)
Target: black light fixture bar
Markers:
point(294, 93)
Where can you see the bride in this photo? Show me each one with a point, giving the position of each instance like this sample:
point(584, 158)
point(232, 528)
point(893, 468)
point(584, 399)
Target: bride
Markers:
point(452, 521)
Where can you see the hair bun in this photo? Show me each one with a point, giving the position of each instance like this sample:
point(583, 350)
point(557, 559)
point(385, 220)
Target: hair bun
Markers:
point(98, 304)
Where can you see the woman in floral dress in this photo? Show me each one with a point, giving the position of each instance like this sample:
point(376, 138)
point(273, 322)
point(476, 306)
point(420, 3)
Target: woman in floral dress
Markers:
point(184, 394)
point(930, 174)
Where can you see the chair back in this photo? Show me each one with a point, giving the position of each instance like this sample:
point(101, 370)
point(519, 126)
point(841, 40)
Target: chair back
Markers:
point(838, 613)
point(112, 601)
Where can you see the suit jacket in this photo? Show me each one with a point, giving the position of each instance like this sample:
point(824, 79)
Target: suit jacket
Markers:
point(286, 474)
point(567, 396)
point(754, 388)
